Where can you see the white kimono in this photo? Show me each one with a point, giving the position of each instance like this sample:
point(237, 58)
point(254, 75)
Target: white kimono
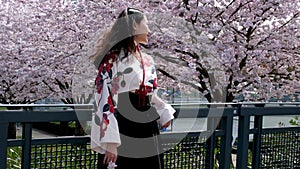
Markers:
point(116, 77)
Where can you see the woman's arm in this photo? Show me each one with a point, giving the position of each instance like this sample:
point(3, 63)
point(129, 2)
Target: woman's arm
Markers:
point(105, 136)
point(164, 110)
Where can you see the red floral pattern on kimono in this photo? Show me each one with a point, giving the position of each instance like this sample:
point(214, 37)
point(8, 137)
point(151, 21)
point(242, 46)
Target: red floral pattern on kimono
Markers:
point(104, 125)
point(117, 76)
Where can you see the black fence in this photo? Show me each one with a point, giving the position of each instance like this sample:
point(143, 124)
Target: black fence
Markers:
point(272, 147)
point(212, 148)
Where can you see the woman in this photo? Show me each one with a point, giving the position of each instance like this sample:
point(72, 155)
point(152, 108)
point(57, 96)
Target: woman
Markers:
point(125, 127)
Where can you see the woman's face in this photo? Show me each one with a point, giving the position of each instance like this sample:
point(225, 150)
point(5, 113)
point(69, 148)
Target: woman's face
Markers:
point(142, 31)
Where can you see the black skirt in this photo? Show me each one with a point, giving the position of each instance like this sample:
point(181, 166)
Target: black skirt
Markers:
point(140, 142)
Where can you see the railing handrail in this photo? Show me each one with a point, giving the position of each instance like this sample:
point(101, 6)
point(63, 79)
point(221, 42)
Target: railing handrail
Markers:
point(173, 104)
point(82, 111)
point(271, 111)
point(44, 116)
point(234, 103)
point(46, 105)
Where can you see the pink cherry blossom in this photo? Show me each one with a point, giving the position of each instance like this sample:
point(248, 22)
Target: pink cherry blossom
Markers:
point(217, 48)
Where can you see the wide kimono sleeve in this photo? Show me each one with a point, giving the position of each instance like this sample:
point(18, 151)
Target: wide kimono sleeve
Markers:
point(104, 124)
point(165, 110)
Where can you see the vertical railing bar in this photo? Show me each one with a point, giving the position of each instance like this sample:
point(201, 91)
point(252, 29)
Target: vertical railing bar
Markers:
point(27, 137)
point(3, 145)
point(257, 142)
point(226, 140)
point(210, 142)
point(243, 139)
point(26, 150)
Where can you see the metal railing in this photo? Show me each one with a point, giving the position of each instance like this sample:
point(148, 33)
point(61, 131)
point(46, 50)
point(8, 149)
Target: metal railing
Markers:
point(272, 147)
point(210, 148)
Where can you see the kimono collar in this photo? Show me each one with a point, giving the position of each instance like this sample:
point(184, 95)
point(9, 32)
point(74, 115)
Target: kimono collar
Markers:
point(143, 90)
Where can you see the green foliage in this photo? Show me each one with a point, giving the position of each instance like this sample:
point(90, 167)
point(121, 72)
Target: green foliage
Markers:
point(48, 156)
point(53, 156)
point(295, 121)
point(279, 150)
point(14, 157)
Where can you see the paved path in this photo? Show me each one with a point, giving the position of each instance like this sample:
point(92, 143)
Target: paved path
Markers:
point(196, 124)
point(36, 133)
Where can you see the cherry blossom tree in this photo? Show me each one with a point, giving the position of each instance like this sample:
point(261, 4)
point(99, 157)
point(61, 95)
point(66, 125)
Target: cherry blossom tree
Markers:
point(254, 43)
point(41, 42)
point(220, 48)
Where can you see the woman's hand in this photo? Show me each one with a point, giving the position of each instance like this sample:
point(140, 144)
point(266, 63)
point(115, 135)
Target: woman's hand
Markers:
point(111, 153)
